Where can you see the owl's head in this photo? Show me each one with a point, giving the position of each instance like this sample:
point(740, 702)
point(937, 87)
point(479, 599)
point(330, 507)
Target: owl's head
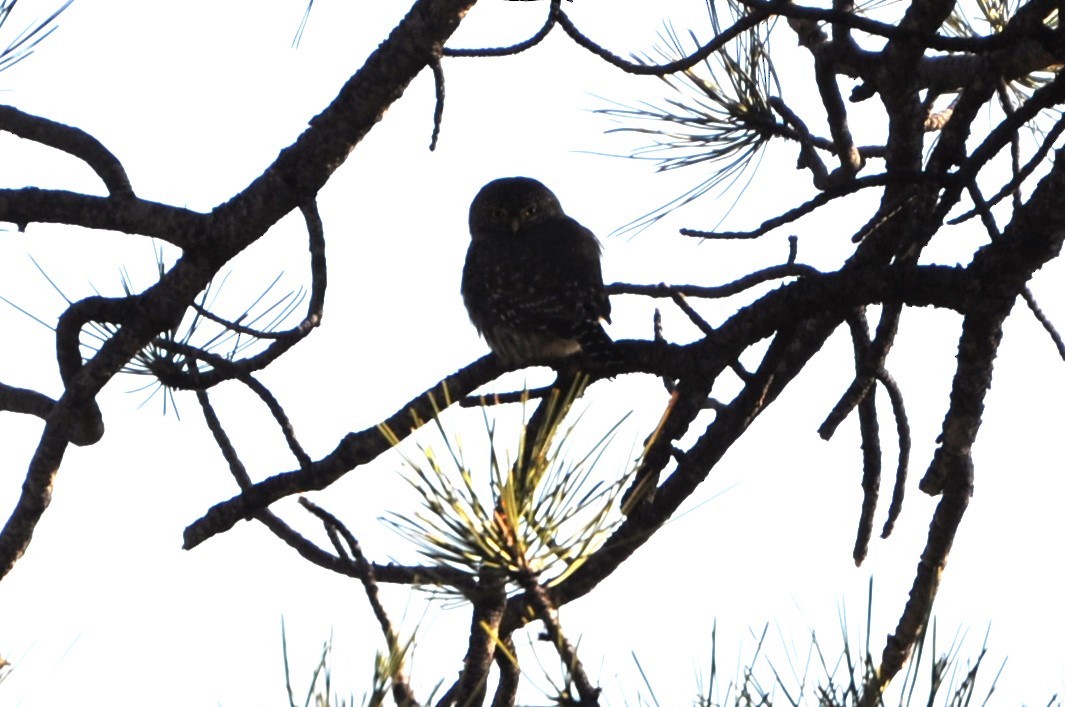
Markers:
point(505, 207)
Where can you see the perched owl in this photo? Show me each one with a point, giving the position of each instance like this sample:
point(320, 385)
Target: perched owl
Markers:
point(532, 282)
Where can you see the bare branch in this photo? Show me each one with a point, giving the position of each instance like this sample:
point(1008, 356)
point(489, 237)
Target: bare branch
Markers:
point(354, 450)
point(779, 309)
point(549, 23)
point(36, 491)
point(25, 401)
point(1022, 174)
point(438, 112)
point(902, 427)
point(639, 68)
point(73, 141)
point(172, 224)
point(488, 604)
point(714, 291)
point(509, 673)
point(309, 551)
point(794, 214)
point(1044, 320)
point(541, 604)
point(401, 690)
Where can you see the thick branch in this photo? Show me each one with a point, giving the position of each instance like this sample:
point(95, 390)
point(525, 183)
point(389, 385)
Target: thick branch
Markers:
point(488, 604)
point(302, 169)
point(73, 141)
point(1033, 237)
point(804, 299)
point(787, 355)
point(172, 224)
point(25, 401)
point(36, 493)
point(297, 175)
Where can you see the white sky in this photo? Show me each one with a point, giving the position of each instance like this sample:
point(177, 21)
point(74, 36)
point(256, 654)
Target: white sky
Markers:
point(196, 98)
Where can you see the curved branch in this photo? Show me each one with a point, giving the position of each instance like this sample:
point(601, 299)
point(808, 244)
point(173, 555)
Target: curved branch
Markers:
point(639, 68)
point(850, 160)
point(902, 429)
point(541, 34)
point(74, 142)
point(281, 418)
point(104, 310)
point(227, 369)
point(872, 465)
point(862, 393)
point(808, 156)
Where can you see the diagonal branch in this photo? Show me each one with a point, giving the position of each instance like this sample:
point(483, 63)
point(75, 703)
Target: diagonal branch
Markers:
point(305, 548)
point(208, 241)
point(355, 449)
point(808, 298)
point(1033, 237)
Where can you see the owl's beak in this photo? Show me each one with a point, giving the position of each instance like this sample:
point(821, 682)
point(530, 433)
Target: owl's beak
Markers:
point(515, 224)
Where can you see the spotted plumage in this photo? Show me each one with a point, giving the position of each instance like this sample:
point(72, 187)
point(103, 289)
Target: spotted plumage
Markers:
point(532, 283)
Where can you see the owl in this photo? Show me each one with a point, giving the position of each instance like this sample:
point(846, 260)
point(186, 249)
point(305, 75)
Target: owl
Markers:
point(533, 283)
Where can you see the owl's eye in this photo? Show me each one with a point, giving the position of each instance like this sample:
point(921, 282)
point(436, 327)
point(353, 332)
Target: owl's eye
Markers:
point(497, 214)
point(530, 211)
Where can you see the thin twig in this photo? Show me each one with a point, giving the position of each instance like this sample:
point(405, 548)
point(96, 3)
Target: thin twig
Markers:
point(541, 604)
point(794, 214)
point(662, 290)
point(1026, 171)
point(552, 19)
point(808, 156)
point(438, 110)
point(902, 428)
point(352, 552)
point(1043, 319)
point(742, 25)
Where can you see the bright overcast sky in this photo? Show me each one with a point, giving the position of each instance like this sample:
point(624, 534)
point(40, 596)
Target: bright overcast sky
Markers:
point(196, 99)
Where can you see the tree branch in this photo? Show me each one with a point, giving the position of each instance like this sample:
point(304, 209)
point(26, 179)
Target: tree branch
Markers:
point(74, 142)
